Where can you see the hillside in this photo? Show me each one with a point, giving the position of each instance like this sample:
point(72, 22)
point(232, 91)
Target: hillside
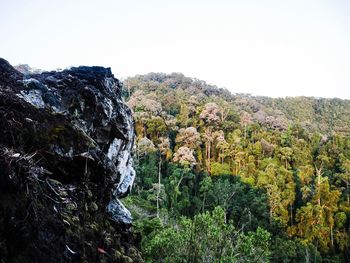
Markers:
point(314, 114)
point(274, 170)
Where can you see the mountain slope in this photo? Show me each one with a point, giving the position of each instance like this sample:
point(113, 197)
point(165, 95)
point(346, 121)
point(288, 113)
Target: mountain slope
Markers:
point(314, 114)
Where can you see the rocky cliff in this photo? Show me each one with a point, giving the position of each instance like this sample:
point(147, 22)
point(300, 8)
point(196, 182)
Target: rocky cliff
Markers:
point(65, 161)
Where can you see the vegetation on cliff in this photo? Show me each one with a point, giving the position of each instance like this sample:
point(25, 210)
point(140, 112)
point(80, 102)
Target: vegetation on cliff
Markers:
point(65, 160)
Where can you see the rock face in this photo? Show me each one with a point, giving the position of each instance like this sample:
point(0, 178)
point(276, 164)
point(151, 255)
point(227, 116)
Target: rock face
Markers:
point(65, 161)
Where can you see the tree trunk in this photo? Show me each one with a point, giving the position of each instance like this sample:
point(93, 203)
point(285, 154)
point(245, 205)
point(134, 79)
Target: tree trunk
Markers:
point(347, 193)
point(158, 191)
point(319, 172)
point(144, 130)
point(318, 189)
point(332, 242)
point(208, 159)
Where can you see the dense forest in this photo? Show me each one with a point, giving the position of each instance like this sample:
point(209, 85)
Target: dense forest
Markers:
point(227, 177)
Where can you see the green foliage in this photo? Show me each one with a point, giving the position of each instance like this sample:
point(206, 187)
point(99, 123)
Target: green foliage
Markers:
point(245, 206)
point(278, 164)
point(148, 171)
point(178, 186)
point(220, 169)
point(254, 246)
point(207, 238)
point(291, 250)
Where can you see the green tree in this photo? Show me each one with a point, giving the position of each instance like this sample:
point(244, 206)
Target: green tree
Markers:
point(207, 238)
point(315, 220)
point(286, 154)
point(344, 177)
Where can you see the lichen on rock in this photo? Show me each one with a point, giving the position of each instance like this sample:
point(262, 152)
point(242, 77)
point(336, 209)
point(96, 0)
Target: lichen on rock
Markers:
point(65, 161)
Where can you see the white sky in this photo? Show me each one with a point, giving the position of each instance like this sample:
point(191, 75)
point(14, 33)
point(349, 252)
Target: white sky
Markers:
point(271, 48)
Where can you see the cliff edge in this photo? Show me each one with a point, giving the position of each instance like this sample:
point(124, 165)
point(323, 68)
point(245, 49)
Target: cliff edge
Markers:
point(65, 161)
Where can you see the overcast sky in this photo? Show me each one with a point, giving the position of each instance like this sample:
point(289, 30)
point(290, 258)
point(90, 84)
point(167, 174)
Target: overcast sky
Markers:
point(272, 48)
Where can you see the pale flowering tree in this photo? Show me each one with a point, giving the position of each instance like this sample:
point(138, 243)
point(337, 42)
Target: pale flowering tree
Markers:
point(219, 136)
point(246, 119)
point(145, 146)
point(139, 101)
point(211, 117)
point(135, 99)
point(163, 145)
point(211, 113)
point(221, 145)
point(184, 156)
point(151, 105)
point(145, 107)
point(170, 121)
point(279, 123)
point(188, 137)
point(192, 104)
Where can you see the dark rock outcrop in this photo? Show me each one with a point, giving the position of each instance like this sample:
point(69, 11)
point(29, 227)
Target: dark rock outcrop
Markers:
point(65, 160)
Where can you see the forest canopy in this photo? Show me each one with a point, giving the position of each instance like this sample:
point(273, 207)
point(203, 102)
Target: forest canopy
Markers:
point(235, 178)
